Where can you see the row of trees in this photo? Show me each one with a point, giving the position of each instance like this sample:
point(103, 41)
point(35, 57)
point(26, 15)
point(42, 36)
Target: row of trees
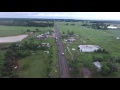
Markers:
point(71, 24)
point(99, 26)
point(26, 23)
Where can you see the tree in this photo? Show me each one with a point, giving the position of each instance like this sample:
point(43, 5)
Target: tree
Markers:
point(28, 30)
point(72, 33)
point(37, 29)
point(63, 32)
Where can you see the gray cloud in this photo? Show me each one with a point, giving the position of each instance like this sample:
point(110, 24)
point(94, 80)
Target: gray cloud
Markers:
point(63, 15)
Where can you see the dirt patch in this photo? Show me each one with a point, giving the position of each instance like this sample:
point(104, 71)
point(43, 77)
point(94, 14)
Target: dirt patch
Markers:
point(86, 73)
point(12, 39)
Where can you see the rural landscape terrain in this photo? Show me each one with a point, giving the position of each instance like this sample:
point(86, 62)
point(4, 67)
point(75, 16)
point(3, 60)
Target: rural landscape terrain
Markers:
point(59, 48)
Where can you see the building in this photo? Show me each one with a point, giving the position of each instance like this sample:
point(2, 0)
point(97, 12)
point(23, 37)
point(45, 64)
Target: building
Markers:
point(88, 48)
point(112, 27)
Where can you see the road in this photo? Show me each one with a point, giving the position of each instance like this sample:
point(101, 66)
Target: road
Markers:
point(64, 72)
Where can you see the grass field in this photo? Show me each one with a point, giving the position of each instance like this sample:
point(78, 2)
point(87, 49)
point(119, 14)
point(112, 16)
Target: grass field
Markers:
point(37, 64)
point(104, 39)
point(34, 66)
point(17, 30)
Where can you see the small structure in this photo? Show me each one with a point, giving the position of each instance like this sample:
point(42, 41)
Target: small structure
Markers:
point(97, 64)
point(117, 38)
point(88, 48)
point(112, 27)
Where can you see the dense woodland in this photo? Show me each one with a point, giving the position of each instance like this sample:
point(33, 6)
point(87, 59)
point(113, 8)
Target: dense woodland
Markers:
point(21, 22)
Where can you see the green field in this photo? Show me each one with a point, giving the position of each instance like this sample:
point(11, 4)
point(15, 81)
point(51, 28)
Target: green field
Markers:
point(34, 66)
point(18, 30)
point(103, 38)
point(37, 64)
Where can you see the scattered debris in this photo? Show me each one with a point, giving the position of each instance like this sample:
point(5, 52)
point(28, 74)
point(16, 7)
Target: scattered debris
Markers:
point(31, 32)
point(45, 44)
point(97, 64)
point(55, 70)
point(46, 51)
point(73, 49)
point(15, 67)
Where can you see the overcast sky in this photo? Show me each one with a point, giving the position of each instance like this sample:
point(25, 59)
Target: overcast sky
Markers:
point(63, 15)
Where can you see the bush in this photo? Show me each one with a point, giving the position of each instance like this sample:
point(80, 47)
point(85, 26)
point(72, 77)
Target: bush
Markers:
point(105, 70)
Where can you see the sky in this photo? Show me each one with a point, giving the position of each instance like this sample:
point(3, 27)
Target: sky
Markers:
point(63, 15)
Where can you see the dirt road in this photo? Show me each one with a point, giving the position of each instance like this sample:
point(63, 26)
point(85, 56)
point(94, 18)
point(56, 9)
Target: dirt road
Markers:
point(64, 72)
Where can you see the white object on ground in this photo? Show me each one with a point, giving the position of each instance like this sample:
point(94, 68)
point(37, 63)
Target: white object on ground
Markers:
point(97, 64)
point(15, 67)
point(73, 49)
point(46, 51)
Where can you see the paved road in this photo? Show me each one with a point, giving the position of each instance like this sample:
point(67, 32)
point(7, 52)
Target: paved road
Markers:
point(64, 72)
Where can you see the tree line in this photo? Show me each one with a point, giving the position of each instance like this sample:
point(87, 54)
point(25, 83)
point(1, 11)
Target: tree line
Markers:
point(26, 23)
